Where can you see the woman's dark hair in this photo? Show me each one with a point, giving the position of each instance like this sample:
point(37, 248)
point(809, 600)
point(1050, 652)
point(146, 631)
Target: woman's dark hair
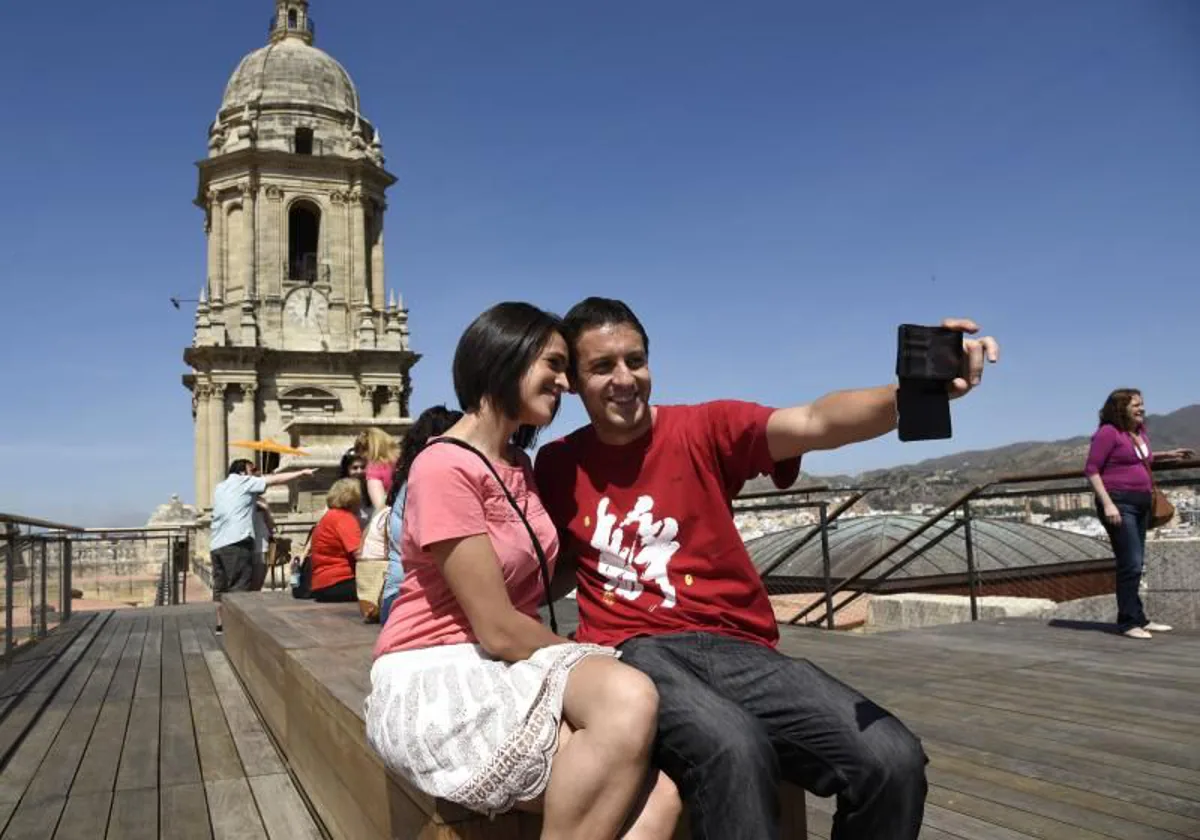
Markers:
point(593, 312)
point(493, 354)
point(349, 458)
point(1116, 409)
point(432, 422)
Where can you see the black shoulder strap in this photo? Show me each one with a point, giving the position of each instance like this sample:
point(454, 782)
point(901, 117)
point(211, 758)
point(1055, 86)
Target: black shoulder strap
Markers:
point(537, 545)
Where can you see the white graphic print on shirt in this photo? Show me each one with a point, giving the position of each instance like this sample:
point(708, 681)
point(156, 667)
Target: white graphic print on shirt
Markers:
point(647, 556)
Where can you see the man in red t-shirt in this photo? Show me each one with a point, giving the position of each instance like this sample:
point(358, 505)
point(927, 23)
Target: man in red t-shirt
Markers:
point(642, 498)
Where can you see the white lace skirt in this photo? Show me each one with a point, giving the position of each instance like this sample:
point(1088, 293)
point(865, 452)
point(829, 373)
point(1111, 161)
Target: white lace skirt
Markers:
point(462, 726)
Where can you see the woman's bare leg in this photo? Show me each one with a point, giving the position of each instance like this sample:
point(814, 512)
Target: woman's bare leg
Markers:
point(599, 771)
point(658, 813)
point(655, 813)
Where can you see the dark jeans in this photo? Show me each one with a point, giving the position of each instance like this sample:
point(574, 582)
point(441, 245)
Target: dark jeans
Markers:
point(735, 718)
point(1129, 548)
point(344, 591)
point(232, 568)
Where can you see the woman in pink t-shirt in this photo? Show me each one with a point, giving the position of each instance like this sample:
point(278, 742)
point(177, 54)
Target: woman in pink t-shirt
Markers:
point(381, 451)
point(473, 699)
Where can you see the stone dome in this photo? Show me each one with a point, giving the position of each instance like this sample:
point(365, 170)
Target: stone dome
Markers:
point(290, 72)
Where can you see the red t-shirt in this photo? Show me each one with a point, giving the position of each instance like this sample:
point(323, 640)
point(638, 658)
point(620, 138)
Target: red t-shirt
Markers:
point(334, 543)
point(652, 526)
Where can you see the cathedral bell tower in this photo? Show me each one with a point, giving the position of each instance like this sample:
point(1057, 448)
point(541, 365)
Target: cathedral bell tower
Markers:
point(296, 336)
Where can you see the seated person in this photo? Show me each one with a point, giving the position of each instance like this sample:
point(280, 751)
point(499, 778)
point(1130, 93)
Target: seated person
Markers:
point(473, 699)
point(642, 497)
point(433, 421)
point(335, 543)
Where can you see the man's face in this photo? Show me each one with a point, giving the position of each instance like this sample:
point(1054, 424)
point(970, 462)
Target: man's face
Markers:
point(612, 377)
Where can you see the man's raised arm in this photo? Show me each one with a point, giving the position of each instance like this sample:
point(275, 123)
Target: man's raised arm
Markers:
point(843, 417)
point(284, 477)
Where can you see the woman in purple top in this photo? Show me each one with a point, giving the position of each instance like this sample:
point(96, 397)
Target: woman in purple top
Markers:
point(1118, 467)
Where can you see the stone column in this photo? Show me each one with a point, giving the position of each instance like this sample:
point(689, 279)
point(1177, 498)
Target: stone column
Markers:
point(377, 287)
point(251, 255)
point(216, 248)
point(244, 421)
point(203, 395)
point(358, 244)
point(395, 403)
point(218, 451)
point(270, 276)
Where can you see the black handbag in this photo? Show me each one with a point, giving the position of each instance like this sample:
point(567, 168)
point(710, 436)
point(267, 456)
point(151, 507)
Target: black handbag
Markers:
point(537, 545)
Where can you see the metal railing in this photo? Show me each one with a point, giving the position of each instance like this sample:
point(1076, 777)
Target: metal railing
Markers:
point(25, 543)
point(778, 500)
point(959, 511)
point(56, 561)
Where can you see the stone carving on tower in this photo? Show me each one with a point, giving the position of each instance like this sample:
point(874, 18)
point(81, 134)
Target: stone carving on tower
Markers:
point(296, 339)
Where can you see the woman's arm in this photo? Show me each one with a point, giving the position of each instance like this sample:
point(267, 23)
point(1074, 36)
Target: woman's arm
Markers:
point(376, 493)
point(1103, 442)
point(470, 567)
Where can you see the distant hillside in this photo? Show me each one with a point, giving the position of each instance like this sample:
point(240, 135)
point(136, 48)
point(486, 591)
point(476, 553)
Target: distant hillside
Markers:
point(938, 480)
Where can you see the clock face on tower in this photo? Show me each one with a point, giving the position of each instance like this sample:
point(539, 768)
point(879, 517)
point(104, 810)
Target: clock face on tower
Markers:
point(306, 309)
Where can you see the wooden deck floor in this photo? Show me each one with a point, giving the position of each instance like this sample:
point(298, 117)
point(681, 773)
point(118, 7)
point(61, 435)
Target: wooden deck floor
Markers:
point(1035, 731)
point(135, 726)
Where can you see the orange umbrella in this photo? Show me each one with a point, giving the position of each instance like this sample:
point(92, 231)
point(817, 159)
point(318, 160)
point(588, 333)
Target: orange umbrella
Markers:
point(268, 446)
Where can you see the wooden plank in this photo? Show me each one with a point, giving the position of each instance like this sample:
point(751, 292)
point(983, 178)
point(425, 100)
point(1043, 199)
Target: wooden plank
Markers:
point(1082, 778)
point(58, 769)
point(949, 732)
point(184, 813)
point(284, 813)
point(34, 820)
point(25, 760)
point(149, 681)
point(84, 814)
point(139, 757)
point(179, 762)
point(218, 755)
point(98, 769)
point(258, 754)
point(1070, 805)
point(174, 680)
point(134, 815)
point(232, 811)
point(1174, 759)
point(23, 709)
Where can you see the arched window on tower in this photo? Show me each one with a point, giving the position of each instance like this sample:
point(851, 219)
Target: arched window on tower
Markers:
point(304, 228)
point(304, 141)
point(291, 18)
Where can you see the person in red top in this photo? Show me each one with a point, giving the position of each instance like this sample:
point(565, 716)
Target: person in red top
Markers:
point(335, 543)
point(642, 498)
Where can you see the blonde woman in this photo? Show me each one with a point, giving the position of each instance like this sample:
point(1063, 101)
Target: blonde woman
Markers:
point(335, 543)
point(381, 452)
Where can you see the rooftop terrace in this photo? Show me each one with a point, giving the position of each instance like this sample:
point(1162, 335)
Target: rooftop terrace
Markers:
point(135, 724)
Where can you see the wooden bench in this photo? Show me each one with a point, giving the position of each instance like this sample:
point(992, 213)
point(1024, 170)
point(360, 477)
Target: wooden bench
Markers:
point(307, 668)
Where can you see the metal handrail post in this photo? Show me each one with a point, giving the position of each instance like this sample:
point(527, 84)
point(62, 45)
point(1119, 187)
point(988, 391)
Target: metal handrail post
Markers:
point(972, 578)
point(10, 574)
point(827, 567)
point(67, 578)
point(41, 619)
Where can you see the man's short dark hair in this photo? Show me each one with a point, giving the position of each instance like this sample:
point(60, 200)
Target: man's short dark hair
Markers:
point(594, 312)
point(241, 466)
point(493, 354)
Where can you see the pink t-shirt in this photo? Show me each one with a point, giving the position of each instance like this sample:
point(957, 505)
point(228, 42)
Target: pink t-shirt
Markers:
point(380, 471)
point(452, 494)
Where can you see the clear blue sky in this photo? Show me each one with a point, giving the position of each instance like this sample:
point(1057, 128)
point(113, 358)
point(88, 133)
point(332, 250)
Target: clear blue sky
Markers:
point(773, 185)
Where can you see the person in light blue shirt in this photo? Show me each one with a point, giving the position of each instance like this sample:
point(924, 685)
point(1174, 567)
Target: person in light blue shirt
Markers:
point(432, 422)
point(231, 541)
